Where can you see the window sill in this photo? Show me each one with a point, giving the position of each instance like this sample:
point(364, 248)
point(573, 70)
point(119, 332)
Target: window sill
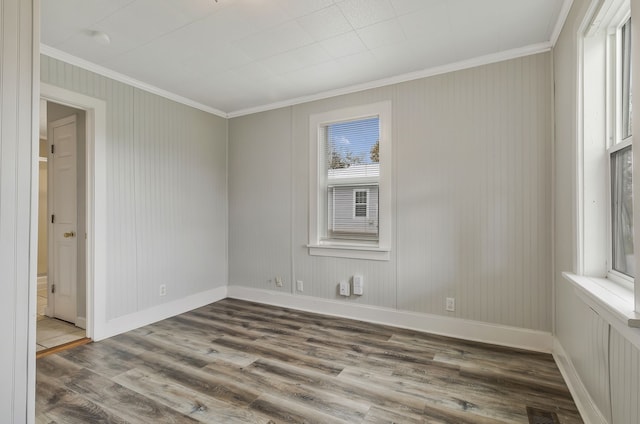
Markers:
point(351, 251)
point(606, 298)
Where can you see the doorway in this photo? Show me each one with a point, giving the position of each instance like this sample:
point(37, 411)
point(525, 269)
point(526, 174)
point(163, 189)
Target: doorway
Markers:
point(61, 227)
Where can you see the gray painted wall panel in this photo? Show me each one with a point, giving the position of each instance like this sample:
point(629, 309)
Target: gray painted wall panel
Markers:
point(472, 198)
point(16, 144)
point(625, 380)
point(260, 207)
point(166, 192)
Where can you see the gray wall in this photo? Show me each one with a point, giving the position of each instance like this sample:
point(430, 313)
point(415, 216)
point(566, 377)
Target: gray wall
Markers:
point(54, 113)
point(606, 361)
point(17, 150)
point(472, 197)
point(166, 192)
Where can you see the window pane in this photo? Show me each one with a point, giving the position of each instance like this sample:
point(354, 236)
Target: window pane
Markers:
point(622, 211)
point(357, 221)
point(626, 80)
point(352, 177)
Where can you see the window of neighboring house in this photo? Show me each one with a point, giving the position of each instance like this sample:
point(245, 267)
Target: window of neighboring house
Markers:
point(620, 153)
point(350, 182)
point(360, 203)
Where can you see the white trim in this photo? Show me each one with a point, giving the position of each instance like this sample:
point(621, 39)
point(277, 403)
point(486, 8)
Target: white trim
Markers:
point(589, 412)
point(96, 174)
point(159, 312)
point(438, 70)
point(502, 335)
point(351, 251)
point(32, 306)
point(562, 17)
point(101, 70)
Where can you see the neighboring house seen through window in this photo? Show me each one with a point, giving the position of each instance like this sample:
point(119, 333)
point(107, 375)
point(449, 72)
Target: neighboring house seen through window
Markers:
point(353, 171)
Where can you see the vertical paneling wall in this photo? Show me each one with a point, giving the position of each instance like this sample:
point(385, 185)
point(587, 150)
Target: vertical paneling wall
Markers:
point(471, 200)
point(166, 192)
point(625, 380)
point(608, 364)
point(16, 88)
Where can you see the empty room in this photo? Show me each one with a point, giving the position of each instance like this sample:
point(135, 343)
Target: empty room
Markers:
point(319, 211)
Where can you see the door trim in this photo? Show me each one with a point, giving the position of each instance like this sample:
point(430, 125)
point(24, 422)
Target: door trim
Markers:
point(96, 201)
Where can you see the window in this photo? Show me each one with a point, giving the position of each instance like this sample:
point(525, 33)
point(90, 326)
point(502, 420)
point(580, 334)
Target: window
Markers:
point(361, 203)
point(622, 212)
point(350, 194)
point(605, 214)
point(620, 154)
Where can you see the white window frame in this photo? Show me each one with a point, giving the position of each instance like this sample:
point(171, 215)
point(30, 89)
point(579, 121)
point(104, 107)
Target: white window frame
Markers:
point(614, 141)
point(355, 249)
point(355, 203)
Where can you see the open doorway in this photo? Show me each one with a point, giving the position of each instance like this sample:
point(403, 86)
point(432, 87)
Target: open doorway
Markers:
point(61, 227)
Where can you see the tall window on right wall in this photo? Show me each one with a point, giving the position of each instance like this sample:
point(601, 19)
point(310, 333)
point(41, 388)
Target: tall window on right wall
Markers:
point(620, 105)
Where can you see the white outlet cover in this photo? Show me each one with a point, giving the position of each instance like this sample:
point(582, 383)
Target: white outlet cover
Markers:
point(358, 285)
point(450, 304)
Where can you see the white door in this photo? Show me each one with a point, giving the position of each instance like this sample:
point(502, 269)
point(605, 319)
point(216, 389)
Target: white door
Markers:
point(63, 245)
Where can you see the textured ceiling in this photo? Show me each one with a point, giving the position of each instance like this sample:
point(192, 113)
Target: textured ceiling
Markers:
point(235, 55)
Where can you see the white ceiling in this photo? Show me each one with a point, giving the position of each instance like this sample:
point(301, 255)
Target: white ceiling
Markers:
point(241, 55)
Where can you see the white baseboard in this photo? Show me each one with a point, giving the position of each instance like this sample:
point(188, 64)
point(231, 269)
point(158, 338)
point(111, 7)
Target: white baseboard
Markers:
point(539, 341)
point(157, 313)
point(587, 407)
point(81, 322)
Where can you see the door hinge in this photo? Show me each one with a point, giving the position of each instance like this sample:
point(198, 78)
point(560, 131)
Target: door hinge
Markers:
point(53, 288)
point(53, 149)
point(53, 219)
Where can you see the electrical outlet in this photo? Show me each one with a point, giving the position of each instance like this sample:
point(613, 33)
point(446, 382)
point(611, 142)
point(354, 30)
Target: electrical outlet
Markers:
point(451, 304)
point(299, 285)
point(163, 289)
point(345, 288)
point(278, 281)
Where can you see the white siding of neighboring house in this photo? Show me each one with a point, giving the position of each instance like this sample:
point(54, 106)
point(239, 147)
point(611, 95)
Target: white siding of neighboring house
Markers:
point(341, 200)
point(341, 212)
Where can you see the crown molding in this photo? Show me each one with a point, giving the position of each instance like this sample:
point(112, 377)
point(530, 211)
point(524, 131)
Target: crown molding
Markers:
point(438, 70)
point(101, 70)
point(562, 17)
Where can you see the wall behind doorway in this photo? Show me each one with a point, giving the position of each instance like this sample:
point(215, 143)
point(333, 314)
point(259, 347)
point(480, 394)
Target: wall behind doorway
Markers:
point(55, 112)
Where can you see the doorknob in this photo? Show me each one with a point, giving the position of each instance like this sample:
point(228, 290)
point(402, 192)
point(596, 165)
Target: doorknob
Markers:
point(69, 234)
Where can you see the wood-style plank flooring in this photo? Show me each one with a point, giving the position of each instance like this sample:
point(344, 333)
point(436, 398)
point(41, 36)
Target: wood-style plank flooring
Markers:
point(51, 332)
point(240, 362)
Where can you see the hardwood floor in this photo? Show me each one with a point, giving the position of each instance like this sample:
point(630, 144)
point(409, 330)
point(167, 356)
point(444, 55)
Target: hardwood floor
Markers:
point(239, 362)
point(51, 332)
